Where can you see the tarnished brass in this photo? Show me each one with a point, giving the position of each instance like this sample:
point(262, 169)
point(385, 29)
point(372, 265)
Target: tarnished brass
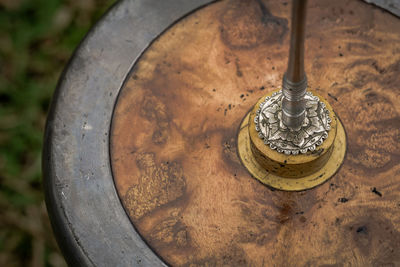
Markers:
point(291, 172)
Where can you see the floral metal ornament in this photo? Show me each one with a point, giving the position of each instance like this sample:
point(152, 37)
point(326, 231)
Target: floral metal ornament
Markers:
point(312, 133)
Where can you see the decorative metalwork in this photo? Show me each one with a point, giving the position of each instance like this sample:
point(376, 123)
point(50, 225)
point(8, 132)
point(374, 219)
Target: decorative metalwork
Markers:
point(311, 134)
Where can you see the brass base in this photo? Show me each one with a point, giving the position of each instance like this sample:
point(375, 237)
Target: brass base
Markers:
point(291, 172)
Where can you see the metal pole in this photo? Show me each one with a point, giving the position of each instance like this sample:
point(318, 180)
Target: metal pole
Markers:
point(294, 83)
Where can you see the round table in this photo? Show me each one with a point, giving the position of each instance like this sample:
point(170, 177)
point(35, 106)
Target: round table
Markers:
point(140, 159)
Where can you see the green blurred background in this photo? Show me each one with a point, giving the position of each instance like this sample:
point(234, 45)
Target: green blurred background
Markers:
point(37, 37)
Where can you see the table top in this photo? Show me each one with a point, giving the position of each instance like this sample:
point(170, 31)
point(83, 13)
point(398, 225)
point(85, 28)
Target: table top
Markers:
point(147, 114)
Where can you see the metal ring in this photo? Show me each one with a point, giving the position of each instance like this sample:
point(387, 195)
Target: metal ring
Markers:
point(294, 91)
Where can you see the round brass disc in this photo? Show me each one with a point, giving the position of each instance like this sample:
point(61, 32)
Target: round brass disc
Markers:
point(291, 172)
point(334, 159)
point(293, 166)
point(173, 142)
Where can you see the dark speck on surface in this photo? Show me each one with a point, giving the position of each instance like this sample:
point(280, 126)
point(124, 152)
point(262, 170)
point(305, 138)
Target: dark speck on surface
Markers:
point(376, 192)
point(362, 229)
point(332, 96)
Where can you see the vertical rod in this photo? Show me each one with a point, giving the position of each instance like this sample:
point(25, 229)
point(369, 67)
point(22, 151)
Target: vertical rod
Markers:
point(294, 83)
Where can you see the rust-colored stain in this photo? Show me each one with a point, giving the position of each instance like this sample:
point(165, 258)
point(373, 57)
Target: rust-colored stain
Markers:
point(174, 152)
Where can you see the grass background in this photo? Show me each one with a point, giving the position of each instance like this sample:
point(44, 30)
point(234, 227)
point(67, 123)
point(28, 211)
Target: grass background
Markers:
point(37, 37)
